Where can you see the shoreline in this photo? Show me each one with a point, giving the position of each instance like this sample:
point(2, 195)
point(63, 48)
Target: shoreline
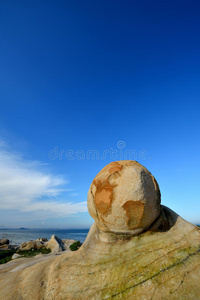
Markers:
point(17, 236)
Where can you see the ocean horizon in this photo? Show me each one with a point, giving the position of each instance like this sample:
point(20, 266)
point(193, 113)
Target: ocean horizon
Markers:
point(21, 235)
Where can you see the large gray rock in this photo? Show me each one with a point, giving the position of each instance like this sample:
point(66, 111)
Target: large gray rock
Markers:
point(55, 244)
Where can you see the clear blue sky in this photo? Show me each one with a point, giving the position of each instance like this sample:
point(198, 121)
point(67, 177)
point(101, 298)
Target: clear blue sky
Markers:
point(108, 76)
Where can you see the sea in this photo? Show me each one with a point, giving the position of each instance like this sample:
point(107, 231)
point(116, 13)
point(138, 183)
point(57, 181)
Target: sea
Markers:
point(19, 236)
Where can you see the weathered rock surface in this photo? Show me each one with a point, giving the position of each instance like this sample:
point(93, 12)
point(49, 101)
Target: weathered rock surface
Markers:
point(134, 256)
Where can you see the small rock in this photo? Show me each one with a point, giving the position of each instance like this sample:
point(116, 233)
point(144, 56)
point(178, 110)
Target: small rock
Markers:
point(4, 242)
point(42, 240)
point(15, 255)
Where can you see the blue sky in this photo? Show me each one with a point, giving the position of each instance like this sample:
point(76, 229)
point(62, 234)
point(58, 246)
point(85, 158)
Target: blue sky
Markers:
point(83, 83)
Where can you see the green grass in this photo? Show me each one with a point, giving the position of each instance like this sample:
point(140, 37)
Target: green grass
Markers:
point(6, 256)
point(33, 252)
point(75, 246)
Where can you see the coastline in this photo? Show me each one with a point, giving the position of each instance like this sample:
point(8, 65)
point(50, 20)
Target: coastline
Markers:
point(19, 236)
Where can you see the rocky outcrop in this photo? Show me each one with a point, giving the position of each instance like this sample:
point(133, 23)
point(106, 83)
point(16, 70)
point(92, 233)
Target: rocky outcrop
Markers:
point(136, 249)
point(36, 245)
point(55, 244)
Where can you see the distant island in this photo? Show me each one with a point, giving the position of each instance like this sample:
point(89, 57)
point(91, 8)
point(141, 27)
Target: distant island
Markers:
point(23, 228)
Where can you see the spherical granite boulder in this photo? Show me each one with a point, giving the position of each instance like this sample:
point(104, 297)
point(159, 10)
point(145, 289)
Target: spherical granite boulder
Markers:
point(124, 198)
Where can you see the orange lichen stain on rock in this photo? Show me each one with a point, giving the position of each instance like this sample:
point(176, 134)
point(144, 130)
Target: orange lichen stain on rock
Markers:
point(134, 211)
point(113, 179)
point(103, 196)
point(104, 189)
point(115, 168)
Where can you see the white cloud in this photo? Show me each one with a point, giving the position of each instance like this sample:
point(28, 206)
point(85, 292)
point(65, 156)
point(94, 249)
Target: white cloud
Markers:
point(24, 187)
